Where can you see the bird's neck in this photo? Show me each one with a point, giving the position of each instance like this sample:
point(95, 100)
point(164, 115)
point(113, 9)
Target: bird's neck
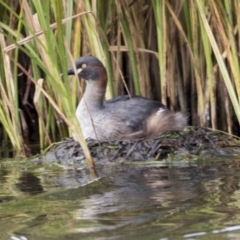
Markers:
point(94, 94)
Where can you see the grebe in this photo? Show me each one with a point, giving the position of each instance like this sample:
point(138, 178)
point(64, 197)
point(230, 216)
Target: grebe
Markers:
point(122, 117)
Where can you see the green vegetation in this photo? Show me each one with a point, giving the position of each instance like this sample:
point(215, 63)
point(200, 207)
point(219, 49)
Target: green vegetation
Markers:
point(184, 53)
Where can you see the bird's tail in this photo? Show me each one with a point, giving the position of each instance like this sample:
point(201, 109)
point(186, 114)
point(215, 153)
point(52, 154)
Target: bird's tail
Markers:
point(157, 124)
point(164, 121)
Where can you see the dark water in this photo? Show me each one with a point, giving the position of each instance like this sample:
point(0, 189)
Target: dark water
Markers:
point(188, 199)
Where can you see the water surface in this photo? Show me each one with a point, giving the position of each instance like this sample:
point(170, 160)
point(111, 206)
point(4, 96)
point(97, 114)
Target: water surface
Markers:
point(187, 199)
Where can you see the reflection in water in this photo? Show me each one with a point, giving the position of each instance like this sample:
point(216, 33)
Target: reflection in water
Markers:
point(145, 196)
point(28, 183)
point(129, 202)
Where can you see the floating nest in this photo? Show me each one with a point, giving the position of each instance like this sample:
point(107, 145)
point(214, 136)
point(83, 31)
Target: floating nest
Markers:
point(190, 142)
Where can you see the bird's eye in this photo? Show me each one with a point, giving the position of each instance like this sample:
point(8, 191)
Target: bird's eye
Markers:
point(84, 65)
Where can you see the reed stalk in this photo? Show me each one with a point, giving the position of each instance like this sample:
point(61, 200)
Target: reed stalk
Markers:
point(220, 61)
point(160, 18)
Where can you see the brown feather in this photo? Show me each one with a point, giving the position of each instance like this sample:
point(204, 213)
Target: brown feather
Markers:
point(158, 123)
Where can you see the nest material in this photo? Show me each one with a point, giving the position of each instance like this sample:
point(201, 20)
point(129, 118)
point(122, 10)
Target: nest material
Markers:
point(191, 141)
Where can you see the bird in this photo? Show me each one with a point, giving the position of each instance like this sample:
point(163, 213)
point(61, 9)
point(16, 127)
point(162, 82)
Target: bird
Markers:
point(120, 118)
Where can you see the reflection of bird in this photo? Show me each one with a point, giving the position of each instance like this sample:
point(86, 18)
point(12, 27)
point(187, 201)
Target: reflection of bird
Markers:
point(122, 117)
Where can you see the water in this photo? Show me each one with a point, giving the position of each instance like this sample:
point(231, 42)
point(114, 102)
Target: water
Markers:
point(188, 199)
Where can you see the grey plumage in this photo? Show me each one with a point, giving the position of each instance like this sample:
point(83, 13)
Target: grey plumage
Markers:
point(122, 117)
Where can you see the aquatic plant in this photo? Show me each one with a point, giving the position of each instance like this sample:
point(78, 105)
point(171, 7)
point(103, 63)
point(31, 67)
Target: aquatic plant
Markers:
point(184, 53)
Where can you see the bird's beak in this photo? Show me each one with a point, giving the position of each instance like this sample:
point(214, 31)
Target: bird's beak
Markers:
point(71, 71)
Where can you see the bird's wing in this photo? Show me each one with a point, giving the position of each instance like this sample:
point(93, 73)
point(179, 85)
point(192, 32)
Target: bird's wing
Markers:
point(132, 111)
